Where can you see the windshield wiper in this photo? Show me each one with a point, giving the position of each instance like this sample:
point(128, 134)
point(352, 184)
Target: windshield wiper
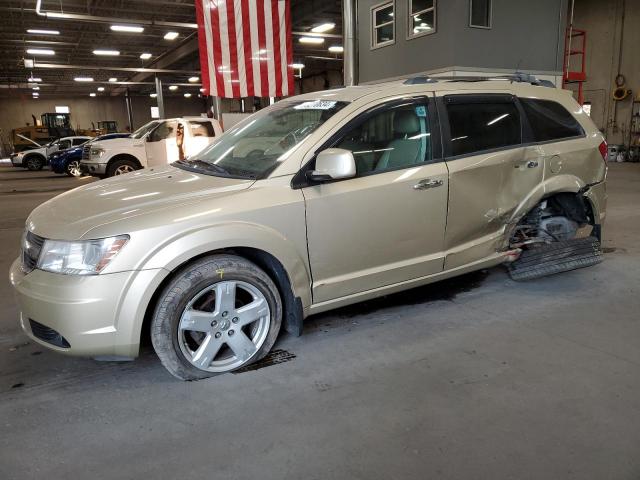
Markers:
point(201, 164)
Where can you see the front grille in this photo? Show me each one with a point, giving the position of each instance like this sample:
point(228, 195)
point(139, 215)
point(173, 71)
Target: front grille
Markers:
point(31, 247)
point(86, 152)
point(48, 335)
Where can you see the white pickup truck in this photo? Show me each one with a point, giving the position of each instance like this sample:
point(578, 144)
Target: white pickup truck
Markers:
point(157, 143)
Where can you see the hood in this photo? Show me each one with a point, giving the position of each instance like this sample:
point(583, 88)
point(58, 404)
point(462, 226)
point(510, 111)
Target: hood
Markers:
point(71, 215)
point(115, 143)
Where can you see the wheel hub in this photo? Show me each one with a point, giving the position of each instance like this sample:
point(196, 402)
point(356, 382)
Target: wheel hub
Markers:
point(224, 324)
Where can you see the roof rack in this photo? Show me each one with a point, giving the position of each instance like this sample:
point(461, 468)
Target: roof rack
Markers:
point(517, 77)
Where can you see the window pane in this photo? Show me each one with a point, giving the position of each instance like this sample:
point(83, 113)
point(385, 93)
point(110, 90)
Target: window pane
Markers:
point(481, 13)
point(384, 34)
point(164, 131)
point(394, 138)
point(420, 5)
point(202, 129)
point(78, 141)
point(422, 23)
point(550, 120)
point(384, 15)
point(483, 126)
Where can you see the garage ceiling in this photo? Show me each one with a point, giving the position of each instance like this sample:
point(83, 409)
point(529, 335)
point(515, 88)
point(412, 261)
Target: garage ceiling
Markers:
point(88, 28)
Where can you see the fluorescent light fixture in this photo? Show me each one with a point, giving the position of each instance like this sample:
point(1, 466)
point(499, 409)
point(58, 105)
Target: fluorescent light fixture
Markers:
point(56, 15)
point(311, 40)
point(336, 49)
point(39, 31)
point(145, 56)
point(113, 79)
point(153, 95)
point(194, 79)
point(36, 94)
point(83, 79)
point(101, 89)
point(35, 88)
point(31, 79)
point(28, 63)
point(187, 95)
point(62, 109)
point(173, 87)
point(202, 90)
point(297, 65)
point(92, 94)
point(127, 28)
point(40, 51)
point(106, 52)
point(325, 27)
point(171, 35)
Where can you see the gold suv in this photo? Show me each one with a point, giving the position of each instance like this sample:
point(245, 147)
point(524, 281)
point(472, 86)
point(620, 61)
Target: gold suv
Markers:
point(319, 201)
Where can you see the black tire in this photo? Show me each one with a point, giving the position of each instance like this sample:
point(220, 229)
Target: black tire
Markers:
point(34, 162)
point(118, 165)
point(555, 258)
point(186, 284)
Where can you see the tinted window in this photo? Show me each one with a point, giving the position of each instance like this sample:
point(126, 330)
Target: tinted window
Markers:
point(79, 141)
point(393, 138)
point(202, 129)
point(550, 120)
point(476, 127)
point(480, 13)
point(64, 144)
point(165, 130)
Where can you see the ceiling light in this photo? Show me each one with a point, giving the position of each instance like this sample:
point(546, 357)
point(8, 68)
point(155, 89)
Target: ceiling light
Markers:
point(127, 28)
point(173, 87)
point(101, 89)
point(36, 88)
point(83, 79)
point(336, 49)
point(28, 63)
point(113, 79)
point(145, 56)
point(325, 27)
point(187, 95)
point(40, 51)
point(153, 95)
point(202, 90)
point(171, 35)
point(297, 65)
point(106, 52)
point(43, 32)
point(313, 40)
point(194, 79)
point(92, 94)
point(31, 79)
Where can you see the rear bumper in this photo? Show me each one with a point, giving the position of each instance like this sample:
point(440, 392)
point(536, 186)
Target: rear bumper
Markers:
point(597, 196)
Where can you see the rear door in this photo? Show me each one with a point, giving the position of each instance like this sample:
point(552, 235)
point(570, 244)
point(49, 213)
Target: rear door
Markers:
point(490, 171)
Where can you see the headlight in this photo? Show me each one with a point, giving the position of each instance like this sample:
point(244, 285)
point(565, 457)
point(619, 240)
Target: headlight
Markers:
point(97, 152)
point(87, 257)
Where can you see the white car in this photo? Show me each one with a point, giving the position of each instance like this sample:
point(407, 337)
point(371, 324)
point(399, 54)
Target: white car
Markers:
point(36, 158)
point(155, 144)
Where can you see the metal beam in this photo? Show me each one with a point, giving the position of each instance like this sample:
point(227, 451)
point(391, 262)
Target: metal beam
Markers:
point(349, 30)
point(146, 71)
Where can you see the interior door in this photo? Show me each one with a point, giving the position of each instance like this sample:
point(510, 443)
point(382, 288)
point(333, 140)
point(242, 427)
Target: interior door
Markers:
point(161, 145)
point(491, 173)
point(386, 225)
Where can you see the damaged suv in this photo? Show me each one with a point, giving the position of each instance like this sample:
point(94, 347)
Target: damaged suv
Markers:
point(342, 196)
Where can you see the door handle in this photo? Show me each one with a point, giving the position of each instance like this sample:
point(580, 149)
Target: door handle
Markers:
point(427, 183)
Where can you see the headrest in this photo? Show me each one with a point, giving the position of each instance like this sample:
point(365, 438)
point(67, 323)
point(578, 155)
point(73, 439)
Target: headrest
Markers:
point(406, 122)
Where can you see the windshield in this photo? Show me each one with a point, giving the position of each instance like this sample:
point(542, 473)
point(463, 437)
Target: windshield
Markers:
point(254, 147)
point(142, 131)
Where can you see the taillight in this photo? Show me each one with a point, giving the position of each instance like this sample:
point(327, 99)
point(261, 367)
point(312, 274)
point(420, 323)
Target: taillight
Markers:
point(603, 150)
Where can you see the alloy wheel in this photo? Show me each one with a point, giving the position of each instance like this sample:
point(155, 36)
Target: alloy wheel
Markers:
point(223, 326)
point(73, 168)
point(122, 169)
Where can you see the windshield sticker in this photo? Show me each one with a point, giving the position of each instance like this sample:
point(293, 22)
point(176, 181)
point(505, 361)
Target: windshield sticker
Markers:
point(421, 111)
point(316, 105)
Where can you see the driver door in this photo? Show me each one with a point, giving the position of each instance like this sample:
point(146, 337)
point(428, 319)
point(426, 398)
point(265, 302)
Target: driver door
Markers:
point(161, 145)
point(386, 225)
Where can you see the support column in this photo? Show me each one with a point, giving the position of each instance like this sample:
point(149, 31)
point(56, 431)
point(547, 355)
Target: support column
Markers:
point(127, 100)
point(349, 42)
point(159, 97)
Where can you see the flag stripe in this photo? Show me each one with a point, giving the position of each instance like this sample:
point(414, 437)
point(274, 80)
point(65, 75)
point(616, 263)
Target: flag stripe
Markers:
point(245, 47)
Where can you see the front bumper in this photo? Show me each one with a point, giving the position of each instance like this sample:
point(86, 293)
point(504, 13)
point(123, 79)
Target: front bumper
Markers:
point(93, 168)
point(97, 315)
point(16, 161)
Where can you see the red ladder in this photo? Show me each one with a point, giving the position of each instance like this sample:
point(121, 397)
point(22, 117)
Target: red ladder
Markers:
point(575, 76)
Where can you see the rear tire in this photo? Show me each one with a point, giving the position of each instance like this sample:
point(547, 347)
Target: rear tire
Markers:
point(203, 324)
point(556, 257)
point(120, 167)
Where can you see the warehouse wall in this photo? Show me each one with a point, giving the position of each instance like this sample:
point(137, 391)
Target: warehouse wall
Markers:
point(603, 23)
point(524, 34)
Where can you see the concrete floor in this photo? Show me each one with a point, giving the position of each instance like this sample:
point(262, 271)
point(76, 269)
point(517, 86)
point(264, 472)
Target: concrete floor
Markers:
point(476, 378)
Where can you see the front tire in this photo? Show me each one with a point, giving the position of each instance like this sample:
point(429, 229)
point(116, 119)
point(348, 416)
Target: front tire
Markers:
point(73, 169)
point(34, 163)
point(218, 314)
point(120, 167)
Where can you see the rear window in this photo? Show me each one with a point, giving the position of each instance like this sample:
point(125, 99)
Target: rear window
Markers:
point(482, 126)
point(550, 120)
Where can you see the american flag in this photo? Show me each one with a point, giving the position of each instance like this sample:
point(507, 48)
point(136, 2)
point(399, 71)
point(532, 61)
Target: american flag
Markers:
point(245, 48)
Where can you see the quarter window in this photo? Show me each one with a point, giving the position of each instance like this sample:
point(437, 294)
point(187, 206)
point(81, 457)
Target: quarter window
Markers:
point(382, 25)
point(475, 127)
point(422, 17)
point(393, 138)
point(480, 13)
point(550, 120)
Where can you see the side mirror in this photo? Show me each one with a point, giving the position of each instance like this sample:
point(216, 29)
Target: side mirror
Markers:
point(333, 164)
